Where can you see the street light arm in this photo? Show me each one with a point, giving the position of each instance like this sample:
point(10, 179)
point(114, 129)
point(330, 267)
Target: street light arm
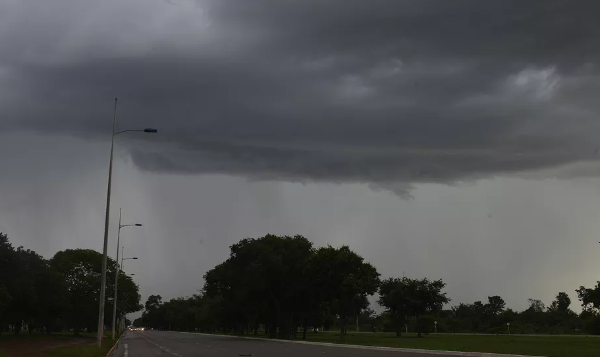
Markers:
point(147, 130)
point(125, 131)
point(130, 225)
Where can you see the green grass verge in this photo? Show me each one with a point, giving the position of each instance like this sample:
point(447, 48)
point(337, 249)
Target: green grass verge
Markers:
point(36, 336)
point(24, 336)
point(87, 350)
point(559, 346)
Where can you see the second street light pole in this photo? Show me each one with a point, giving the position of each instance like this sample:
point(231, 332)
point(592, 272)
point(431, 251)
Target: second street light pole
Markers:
point(123, 258)
point(121, 269)
point(116, 276)
point(101, 301)
point(117, 270)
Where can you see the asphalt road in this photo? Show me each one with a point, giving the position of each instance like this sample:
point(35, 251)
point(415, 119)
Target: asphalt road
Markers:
point(162, 343)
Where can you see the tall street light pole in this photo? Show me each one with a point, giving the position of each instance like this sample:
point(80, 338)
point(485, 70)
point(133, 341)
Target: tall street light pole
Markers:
point(117, 270)
point(101, 301)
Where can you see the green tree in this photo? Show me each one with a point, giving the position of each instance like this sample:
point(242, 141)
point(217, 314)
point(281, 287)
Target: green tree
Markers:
point(153, 302)
point(128, 296)
point(536, 305)
point(53, 297)
point(81, 270)
point(154, 315)
point(589, 297)
point(263, 280)
point(343, 277)
point(534, 316)
point(495, 305)
point(559, 314)
point(406, 298)
point(465, 316)
point(23, 307)
point(5, 300)
point(9, 281)
point(561, 302)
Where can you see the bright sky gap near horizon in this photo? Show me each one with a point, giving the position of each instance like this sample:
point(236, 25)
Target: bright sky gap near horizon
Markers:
point(454, 140)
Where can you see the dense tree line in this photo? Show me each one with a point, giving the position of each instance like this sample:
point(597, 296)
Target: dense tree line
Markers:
point(284, 287)
point(59, 294)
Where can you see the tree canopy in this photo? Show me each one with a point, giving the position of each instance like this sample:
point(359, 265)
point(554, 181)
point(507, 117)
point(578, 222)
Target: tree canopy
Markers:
point(283, 285)
point(279, 285)
point(406, 298)
point(60, 293)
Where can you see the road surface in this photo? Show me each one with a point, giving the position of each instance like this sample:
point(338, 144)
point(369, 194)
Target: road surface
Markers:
point(168, 344)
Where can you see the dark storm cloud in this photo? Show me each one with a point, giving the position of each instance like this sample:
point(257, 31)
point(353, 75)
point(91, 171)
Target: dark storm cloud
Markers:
point(384, 92)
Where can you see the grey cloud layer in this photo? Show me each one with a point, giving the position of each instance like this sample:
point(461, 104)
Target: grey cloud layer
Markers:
point(385, 92)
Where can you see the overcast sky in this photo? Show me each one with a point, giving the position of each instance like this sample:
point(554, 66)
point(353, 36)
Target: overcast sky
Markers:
point(447, 139)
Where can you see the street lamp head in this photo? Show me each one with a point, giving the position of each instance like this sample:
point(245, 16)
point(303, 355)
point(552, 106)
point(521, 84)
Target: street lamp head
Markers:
point(138, 224)
point(150, 130)
point(134, 258)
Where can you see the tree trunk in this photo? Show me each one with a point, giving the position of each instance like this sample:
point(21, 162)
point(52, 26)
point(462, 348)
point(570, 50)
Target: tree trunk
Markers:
point(342, 327)
point(273, 330)
point(293, 326)
point(76, 329)
point(399, 332)
point(283, 330)
point(277, 318)
point(304, 328)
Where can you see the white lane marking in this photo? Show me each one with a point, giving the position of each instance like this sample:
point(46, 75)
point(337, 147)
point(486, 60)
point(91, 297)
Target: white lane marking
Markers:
point(162, 348)
point(126, 353)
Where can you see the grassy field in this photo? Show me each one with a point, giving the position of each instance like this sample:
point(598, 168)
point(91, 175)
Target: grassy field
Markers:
point(559, 346)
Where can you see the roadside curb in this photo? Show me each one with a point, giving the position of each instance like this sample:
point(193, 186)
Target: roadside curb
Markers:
point(373, 348)
point(115, 345)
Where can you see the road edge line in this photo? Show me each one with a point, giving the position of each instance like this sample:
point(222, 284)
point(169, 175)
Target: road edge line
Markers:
point(115, 345)
point(373, 348)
